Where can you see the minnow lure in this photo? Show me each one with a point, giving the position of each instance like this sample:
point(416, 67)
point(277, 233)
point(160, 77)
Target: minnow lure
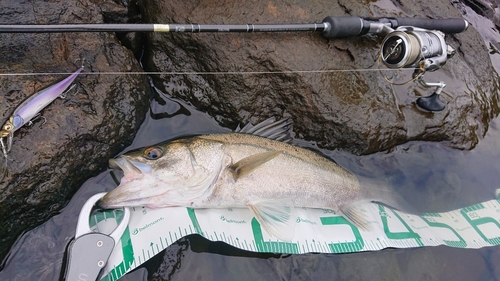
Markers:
point(30, 108)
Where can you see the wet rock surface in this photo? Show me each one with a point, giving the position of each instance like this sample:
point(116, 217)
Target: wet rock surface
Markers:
point(486, 8)
point(348, 109)
point(97, 119)
point(352, 110)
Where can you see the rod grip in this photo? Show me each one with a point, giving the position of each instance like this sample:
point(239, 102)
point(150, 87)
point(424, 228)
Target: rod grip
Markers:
point(453, 25)
point(345, 27)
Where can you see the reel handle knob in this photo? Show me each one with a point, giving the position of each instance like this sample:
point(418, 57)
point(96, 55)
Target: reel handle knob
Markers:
point(431, 103)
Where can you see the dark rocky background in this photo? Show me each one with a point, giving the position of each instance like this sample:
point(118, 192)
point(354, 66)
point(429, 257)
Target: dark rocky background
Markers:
point(356, 111)
point(50, 161)
point(352, 110)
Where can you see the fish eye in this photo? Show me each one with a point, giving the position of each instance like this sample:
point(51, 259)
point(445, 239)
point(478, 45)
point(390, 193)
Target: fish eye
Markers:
point(152, 153)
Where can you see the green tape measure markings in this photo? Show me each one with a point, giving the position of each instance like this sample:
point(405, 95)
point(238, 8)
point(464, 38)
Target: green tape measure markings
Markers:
point(344, 247)
point(459, 244)
point(270, 246)
point(410, 234)
point(476, 220)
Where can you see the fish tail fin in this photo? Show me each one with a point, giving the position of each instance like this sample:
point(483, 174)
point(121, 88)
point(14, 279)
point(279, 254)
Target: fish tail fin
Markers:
point(376, 192)
point(356, 215)
point(379, 192)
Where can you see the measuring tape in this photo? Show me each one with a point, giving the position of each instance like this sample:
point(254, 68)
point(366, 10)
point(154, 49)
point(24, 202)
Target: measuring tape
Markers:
point(150, 231)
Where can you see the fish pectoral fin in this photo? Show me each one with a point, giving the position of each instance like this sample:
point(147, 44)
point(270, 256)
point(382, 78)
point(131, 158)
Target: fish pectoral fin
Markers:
point(275, 217)
point(355, 215)
point(246, 165)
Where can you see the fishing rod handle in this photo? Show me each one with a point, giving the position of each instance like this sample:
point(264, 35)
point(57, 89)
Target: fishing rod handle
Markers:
point(354, 26)
point(345, 27)
point(453, 25)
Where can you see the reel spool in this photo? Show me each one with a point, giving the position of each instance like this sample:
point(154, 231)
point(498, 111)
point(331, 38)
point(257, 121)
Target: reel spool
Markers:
point(406, 47)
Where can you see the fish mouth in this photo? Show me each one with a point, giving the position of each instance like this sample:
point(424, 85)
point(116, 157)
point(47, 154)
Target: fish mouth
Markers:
point(127, 194)
point(129, 168)
point(116, 199)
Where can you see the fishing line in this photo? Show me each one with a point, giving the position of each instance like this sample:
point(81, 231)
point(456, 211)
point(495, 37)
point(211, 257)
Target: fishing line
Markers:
point(206, 73)
point(415, 44)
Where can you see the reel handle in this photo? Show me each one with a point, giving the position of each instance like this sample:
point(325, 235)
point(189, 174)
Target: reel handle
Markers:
point(354, 26)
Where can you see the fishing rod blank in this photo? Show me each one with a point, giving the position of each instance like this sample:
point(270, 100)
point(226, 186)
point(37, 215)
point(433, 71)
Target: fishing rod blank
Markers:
point(331, 27)
point(194, 28)
point(409, 42)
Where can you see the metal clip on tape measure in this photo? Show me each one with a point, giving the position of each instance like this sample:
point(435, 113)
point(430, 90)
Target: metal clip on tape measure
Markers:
point(88, 253)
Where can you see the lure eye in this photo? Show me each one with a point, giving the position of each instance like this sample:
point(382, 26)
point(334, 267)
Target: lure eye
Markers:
point(8, 127)
point(152, 153)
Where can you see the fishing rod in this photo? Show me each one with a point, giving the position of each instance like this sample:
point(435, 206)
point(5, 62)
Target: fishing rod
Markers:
point(408, 43)
point(331, 27)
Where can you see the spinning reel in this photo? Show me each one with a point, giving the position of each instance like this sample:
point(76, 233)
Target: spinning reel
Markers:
point(408, 46)
point(424, 50)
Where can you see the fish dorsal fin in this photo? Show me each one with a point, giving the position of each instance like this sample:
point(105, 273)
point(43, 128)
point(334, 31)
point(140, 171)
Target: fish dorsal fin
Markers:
point(270, 128)
point(354, 214)
point(250, 128)
point(275, 217)
point(246, 165)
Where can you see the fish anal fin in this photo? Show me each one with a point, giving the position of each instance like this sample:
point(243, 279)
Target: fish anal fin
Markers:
point(275, 217)
point(246, 165)
point(355, 215)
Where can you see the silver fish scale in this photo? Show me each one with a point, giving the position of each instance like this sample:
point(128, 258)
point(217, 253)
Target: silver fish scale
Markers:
point(296, 176)
point(206, 153)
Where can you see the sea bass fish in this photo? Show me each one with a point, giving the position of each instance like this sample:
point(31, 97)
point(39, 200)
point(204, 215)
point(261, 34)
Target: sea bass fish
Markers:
point(239, 170)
